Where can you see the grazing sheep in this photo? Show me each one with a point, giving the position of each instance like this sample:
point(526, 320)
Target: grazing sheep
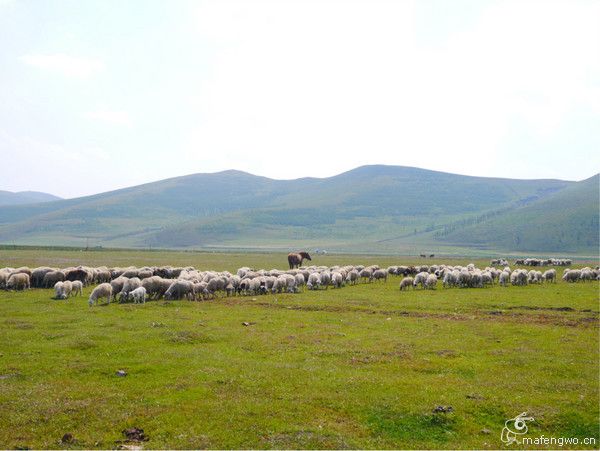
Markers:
point(51, 277)
point(117, 283)
point(464, 278)
point(487, 278)
point(420, 278)
point(380, 274)
point(352, 276)
point(200, 291)
point(325, 279)
point(571, 275)
point(431, 282)
point(58, 290)
point(131, 272)
point(300, 280)
point(290, 283)
point(23, 270)
point(504, 278)
point(77, 288)
point(37, 276)
point(255, 286)
point(102, 276)
point(104, 290)
point(366, 274)
point(549, 275)
point(63, 289)
point(406, 283)
point(138, 295)
point(476, 279)
point(337, 280)
point(314, 281)
point(244, 286)
point(450, 279)
point(129, 285)
point(216, 284)
point(518, 277)
point(18, 281)
point(586, 274)
point(180, 289)
point(534, 276)
point(4, 278)
point(145, 273)
point(279, 284)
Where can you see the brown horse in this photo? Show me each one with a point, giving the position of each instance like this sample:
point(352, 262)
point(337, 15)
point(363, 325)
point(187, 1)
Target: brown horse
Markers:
point(295, 259)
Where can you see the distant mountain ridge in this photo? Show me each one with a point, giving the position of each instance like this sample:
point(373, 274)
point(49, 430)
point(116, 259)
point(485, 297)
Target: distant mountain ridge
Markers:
point(359, 210)
point(25, 197)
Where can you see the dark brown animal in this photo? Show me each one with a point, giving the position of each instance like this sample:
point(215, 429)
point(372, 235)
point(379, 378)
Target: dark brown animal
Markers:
point(295, 259)
point(78, 274)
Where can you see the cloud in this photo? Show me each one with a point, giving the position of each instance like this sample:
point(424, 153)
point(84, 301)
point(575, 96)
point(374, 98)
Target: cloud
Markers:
point(66, 65)
point(339, 84)
point(92, 165)
point(110, 117)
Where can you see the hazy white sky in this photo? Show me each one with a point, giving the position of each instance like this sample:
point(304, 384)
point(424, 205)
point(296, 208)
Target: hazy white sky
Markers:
point(98, 95)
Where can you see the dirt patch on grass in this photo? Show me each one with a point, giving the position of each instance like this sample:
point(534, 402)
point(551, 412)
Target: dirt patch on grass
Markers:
point(535, 307)
point(307, 440)
point(189, 337)
point(83, 344)
point(492, 315)
point(448, 353)
point(18, 324)
point(409, 426)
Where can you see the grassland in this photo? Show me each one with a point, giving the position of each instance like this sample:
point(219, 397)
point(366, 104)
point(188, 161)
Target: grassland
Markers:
point(360, 367)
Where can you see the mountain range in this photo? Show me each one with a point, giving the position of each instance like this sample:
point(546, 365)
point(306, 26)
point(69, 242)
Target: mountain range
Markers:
point(25, 197)
point(390, 209)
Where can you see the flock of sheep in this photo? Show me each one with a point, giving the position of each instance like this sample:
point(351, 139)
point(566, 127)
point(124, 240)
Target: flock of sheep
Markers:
point(139, 284)
point(535, 262)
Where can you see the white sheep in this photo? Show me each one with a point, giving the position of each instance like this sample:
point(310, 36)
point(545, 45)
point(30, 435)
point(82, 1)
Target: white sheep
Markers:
point(18, 281)
point(77, 288)
point(406, 283)
point(314, 281)
point(337, 280)
point(549, 275)
point(129, 285)
point(571, 275)
point(138, 295)
point(431, 282)
point(101, 291)
point(504, 278)
point(518, 277)
point(420, 278)
point(352, 276)
point(366, 274)
point(380, 274)
point(58, 290)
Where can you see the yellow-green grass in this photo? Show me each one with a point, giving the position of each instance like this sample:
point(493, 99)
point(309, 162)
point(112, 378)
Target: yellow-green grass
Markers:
point(359, 367)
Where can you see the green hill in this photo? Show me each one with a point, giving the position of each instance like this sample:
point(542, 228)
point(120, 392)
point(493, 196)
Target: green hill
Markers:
point(370, 208)
point(566, 221)
point(25, 197)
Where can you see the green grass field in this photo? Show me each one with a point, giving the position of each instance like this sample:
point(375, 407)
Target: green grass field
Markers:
point(359, 367)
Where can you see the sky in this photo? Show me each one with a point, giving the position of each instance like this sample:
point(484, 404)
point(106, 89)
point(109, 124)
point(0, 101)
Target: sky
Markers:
point(100, 95)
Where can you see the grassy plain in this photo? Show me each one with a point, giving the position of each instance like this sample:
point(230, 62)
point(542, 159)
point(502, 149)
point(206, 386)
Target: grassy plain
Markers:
point(359, 367)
